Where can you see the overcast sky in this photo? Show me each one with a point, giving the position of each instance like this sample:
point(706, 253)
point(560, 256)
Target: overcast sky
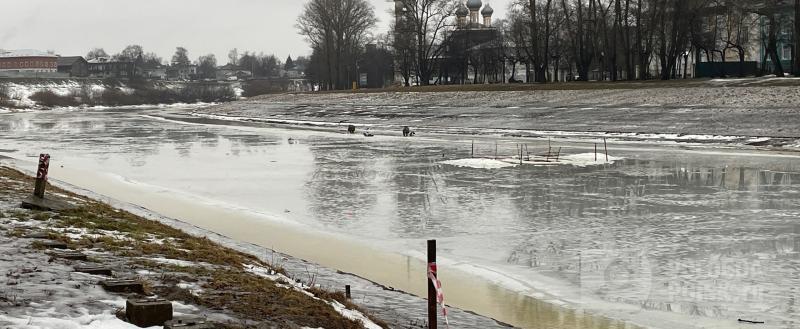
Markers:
point(72, 27)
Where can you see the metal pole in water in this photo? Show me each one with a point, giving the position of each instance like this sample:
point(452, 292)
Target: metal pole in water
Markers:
point(472, 153)
point(431, 289)
point(41, 175)
point(595, 152)
point(606, 147)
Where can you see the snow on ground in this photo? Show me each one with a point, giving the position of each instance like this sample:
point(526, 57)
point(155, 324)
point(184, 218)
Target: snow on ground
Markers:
point(479, 163)
point(578, 160)
point(344, 311)
point(708, 95)
point(588, 159)
point(104, 320)
point(21, 93)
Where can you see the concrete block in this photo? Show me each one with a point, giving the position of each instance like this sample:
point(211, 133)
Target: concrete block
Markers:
point(94, 270)
point(37, 235)
point(188, 324)
point(49, 203)
point(52, 244)
point(70, 255)
point(148, 312)
point(123, 286)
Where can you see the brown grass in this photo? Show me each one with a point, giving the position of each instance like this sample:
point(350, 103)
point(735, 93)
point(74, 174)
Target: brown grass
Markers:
point(226, 285)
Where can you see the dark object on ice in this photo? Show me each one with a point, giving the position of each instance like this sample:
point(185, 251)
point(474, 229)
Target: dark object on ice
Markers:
point(123, 286)
point(187, 324)
point(351, 129)
point(52, 244)
point(753, 322)
point(148, 312)
point(94, 270)
point(347, 291)
point(406, 131)
point(368, 134)
point(69, 255)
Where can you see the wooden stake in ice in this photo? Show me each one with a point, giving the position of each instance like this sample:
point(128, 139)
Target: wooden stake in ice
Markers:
point(432, 323)
point(606, 147)
point(41, 175)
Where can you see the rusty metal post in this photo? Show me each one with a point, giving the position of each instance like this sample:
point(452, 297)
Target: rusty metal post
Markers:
point(431, 266)
point(41, 175)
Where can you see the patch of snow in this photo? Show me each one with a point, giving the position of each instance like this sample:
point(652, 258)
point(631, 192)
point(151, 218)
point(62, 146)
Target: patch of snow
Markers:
point(479, 163)
point(105, 320)
point(176, 262)
point(354, 315)
point(588, 159)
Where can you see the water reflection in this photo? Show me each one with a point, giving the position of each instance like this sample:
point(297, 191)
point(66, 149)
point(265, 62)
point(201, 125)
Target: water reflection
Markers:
point(703, 235)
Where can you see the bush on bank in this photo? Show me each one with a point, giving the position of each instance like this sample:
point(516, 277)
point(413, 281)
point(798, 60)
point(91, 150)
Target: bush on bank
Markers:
point(136, 94)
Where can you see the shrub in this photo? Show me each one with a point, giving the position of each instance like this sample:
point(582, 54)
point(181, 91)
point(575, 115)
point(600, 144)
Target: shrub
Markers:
point(206, 93)
point(50, 99)
point(260, 87)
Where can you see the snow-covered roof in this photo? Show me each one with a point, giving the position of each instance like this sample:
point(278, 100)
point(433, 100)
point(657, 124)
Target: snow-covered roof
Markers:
point(24, 53)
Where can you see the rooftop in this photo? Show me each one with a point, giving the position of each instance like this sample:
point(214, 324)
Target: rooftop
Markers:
point(68, 60)
point(24, 53)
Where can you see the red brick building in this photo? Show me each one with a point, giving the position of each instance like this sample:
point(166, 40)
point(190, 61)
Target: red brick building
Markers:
point(28, 61)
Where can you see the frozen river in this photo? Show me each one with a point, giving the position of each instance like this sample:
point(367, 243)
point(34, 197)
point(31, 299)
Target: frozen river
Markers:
point(667, 237)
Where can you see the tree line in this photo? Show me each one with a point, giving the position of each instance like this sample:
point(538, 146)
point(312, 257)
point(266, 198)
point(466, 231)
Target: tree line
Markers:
point(259, 64)
point(558, 40)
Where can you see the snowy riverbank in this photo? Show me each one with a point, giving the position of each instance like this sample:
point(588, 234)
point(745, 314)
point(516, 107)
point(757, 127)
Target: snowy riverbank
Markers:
point(743, 115)
point(202, 279)
point(17, 95)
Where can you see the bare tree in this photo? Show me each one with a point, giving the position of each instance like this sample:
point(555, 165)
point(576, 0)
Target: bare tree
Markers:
point(429, 20)
point(207, 66)
point(181, 56)
point(796, 39)
point(233, 56)
point(336, 30)
point(130, 53)
point(152, 59)
point(403, 43)
point(96, 53)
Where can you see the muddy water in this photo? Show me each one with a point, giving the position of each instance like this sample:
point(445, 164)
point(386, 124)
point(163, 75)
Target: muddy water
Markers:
point(400, 272)
point(667, 238)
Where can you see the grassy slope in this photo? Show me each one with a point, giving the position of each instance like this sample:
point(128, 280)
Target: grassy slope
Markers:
point(226, 284)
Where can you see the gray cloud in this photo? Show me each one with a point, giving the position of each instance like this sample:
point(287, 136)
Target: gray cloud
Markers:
point(202, 26)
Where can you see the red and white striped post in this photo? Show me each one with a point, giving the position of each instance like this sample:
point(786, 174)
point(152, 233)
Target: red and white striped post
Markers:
point(432, 297)
point(41, 175)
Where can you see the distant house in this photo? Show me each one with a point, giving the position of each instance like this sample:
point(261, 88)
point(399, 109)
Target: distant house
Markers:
point(28, 63)
point(154, 72)
point(230, 72)
point(296, 72)
point(105, 67)
point(75, 66)
point(181, 72)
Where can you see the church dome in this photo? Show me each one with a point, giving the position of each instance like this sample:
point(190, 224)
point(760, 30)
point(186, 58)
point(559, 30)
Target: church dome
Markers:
point(487, 11)
point(474, 4)
point(462, 11)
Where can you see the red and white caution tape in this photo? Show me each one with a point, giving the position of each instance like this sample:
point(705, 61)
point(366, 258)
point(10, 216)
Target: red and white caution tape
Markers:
point(44, 166)
point(432, 270)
